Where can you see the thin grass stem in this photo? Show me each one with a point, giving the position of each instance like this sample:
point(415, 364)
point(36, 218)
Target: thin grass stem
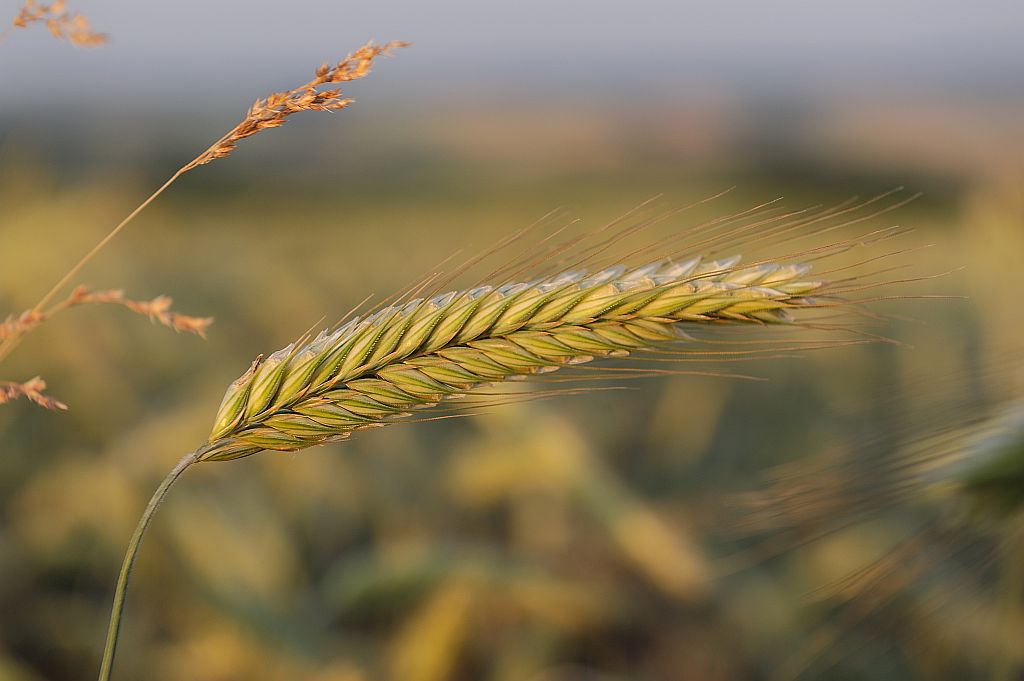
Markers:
point(10, 343)
point(117, 610)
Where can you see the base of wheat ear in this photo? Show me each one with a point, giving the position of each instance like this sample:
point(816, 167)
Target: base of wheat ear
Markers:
point(383, 367)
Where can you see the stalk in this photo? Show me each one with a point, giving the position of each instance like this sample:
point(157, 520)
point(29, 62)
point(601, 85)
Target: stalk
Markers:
point(129, 563)
point(8, 344)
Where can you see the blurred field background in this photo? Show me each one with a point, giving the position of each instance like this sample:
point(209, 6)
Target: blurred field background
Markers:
point(555, 540)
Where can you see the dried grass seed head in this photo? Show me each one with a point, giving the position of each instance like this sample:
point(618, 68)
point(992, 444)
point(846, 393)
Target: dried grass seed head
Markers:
point(31, 390)
point(158, 310)
point(273, 111)
point(62, 24)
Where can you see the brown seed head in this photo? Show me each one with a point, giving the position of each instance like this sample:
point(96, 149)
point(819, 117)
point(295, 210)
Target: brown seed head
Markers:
point(275, 109)
point(158, 309)
point(20, 325)
point(63, 24)
point(31, 389)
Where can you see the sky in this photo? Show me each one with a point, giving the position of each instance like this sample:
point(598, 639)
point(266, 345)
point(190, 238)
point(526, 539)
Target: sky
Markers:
point(193, 54)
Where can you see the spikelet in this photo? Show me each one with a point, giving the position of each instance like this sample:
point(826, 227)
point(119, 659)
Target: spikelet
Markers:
point(380, 368)
point(31, 390)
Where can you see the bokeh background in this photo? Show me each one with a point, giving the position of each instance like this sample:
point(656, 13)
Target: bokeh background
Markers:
point(549, 540)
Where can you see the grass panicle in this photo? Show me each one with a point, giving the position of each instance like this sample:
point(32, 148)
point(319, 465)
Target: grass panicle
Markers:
point(264, 114)
point(15, 327)
point(61, 22)
point(158, 309)
point(31, 390)
point(274, 110)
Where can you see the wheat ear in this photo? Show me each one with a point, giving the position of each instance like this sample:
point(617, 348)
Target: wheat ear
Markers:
point(382, 367)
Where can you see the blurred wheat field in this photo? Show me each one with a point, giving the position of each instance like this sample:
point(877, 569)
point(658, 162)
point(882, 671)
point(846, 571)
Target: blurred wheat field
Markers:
point(548, 540)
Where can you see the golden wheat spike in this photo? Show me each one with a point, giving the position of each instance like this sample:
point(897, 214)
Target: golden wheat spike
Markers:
point(377, 369)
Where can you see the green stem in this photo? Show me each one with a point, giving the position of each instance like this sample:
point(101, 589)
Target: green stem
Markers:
point(129, 562)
